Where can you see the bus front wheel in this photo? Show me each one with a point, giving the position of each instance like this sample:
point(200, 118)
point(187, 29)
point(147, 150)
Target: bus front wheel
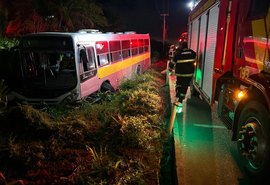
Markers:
point(106, 87)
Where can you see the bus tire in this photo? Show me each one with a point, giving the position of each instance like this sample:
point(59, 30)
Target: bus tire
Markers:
point(139, 70)
point(107, 87)
point(253, 136)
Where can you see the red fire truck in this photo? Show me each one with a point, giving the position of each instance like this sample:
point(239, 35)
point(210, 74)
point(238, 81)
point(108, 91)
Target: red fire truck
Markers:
point(232, 41)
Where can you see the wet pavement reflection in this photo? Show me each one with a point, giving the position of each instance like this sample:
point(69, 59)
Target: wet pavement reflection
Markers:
point(204, 152)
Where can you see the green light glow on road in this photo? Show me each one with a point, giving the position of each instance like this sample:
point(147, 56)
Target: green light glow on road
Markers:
point(198, 75)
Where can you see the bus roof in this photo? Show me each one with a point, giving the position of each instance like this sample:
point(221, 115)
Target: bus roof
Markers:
point(94, 36)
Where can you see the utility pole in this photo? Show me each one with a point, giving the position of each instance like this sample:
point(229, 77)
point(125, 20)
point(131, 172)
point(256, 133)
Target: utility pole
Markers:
point(164, 30)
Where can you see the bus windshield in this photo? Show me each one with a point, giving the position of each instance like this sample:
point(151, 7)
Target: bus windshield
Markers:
point(48, 68)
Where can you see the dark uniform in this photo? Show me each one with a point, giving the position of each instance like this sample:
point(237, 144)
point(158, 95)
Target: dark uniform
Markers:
point(183, 62)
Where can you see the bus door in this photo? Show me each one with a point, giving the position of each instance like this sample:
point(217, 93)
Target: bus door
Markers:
point(87, 70)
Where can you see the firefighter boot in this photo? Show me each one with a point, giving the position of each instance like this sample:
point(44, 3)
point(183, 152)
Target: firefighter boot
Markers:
point(178, 106)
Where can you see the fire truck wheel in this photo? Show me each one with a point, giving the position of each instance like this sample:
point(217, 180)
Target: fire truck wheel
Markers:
point(106, 87)
point(254, 139)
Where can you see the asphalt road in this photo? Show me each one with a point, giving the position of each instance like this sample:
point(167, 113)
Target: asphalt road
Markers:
point(204, 152)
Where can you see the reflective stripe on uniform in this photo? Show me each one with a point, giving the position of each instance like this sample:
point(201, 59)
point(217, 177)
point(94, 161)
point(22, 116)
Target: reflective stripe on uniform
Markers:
point(184, 61)
point(186, 52)
point(184, 75)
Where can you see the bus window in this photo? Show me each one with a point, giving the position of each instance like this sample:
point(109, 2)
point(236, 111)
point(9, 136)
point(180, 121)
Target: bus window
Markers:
point(83, 61)
point(115, 49)
point(102, 50)
point(87, 63)
point(140, 45)
point(68, 61)
point(91, 57)
point(134, 46)
point(102, 47)
point(55, 59)
point(146, 45)
point(103, 59)
point(125, 49)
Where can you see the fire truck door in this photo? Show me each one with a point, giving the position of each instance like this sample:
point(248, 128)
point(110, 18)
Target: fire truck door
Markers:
point(208, 66)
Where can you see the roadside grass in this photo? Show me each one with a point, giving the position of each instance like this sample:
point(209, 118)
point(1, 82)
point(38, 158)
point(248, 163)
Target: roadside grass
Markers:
point(118, 140)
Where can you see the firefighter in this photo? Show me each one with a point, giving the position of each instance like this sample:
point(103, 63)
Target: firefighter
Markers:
point(172, 51)
point(184, 60)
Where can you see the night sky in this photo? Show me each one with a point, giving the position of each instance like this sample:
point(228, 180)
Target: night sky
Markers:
point(143, 16)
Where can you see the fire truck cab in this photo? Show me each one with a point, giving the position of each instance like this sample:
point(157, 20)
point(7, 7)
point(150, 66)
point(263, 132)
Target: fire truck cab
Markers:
point(231, 38)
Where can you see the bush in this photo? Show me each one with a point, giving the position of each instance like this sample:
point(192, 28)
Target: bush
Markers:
point(115, 141)
point(6, 43)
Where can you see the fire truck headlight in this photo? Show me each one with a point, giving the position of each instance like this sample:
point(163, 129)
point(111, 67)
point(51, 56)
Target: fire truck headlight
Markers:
point(241, 94)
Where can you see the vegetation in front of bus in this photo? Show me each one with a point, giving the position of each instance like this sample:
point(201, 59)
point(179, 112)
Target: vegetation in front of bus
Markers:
point(116, 141)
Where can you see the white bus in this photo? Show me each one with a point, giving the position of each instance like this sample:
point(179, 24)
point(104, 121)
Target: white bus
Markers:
point(57, 67)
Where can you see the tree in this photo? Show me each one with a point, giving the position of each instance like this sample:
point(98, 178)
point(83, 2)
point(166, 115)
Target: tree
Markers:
point(24, 18)
point(63, 15)
point(72, 15)
point(3, 16)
